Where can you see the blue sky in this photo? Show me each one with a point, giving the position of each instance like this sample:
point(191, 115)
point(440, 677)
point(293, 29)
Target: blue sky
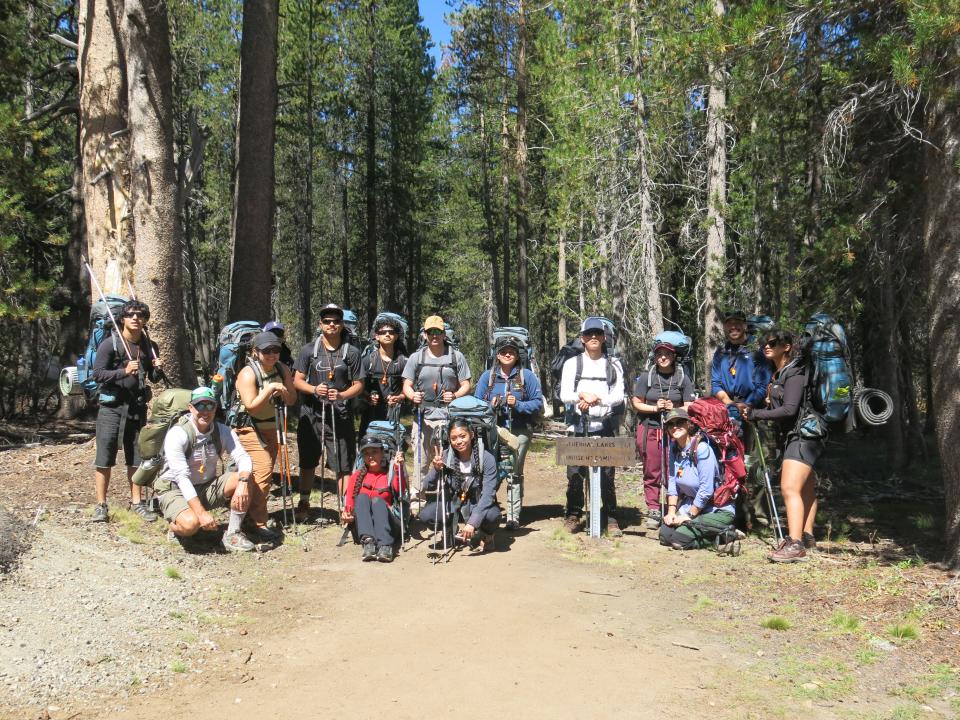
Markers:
point(432, 12)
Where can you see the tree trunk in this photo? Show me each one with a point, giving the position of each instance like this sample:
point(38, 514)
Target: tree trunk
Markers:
point(941, 240)
point(305, 264)
point(505, 195)
point(486, 202)
point(562, 288)
point(153, 189)
point(716, 200)
point(251, 266)
point(523, 223)
point(370, 179)
point(104, 145)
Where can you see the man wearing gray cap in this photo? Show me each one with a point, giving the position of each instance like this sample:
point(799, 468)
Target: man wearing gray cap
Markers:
point(591, 384)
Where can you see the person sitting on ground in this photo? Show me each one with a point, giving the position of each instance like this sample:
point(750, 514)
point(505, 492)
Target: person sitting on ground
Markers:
point(515, 392)
point(692, 520)
point(433, 376)
point(370, 498)
point(123, 403)
point(383, 369)
point(739, 378)
point(593, 401)
point(798, 481)
point(276, 327)
point(263, 383)
point(470, 490)
point(188, 486)
point(328, 374)
point(655, 393)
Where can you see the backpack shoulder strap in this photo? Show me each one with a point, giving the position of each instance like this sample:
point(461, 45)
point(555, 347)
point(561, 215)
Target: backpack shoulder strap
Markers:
point(579, 375)
point(610, 370)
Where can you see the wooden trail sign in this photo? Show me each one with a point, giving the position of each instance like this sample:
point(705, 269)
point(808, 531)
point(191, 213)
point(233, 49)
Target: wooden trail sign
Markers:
point(596, 451)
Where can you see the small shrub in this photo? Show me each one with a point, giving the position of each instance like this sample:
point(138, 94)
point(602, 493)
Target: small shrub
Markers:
point(776, 622)
point(845, 622)
point(903, 632)
point(172, 573)
point(178, 666)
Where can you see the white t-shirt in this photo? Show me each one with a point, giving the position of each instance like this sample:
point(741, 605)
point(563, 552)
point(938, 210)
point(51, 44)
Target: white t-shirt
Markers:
point(593, 379)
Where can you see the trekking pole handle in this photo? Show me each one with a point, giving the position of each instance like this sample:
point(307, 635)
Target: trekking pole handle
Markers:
point(103, 298)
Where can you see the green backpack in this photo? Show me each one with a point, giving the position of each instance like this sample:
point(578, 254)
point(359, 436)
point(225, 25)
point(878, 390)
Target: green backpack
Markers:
point(169, 409)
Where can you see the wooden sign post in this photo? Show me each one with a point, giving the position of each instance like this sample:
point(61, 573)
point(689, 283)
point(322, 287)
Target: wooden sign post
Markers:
point(596, 452)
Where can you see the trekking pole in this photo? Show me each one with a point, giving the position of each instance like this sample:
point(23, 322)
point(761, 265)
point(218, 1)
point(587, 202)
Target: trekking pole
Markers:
point(323, 453)
point(766, 476)
point(336, 461)
point(664, 464)
point(397, 475)
point(419, 450)
point(103, 299)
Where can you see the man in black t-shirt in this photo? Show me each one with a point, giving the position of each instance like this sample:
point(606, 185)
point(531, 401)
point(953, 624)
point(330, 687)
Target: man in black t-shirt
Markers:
point(327, 374)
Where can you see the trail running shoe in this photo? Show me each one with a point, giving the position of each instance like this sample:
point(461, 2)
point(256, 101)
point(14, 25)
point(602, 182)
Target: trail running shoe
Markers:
point(728, 543)
point(653, 519)
point(369, 550)
point(572, 524)
point(791, 551)
point(100, 513)
point(263, 534)
point(143, 509)
point(237, 542)
point(809, 541)
point(302, 512)
point(613, 528)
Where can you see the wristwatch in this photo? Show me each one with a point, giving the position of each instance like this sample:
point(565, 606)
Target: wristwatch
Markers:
point(243, 478)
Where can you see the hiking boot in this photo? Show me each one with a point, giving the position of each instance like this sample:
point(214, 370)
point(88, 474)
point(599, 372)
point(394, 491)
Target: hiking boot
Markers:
point(263, 534)
point(790, 551)
point(482, 543)
point(613, 528)
point(100, 513)
point(385, 553)
point(511, 525)
point(302, 511)
point(237, 542)
point(654, 519)
point(143, 509)
point(809, 541)
point(369, 550)
point(728, 543)
point(572, 524)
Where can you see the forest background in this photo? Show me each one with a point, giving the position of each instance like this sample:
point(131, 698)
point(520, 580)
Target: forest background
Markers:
point(655, 162)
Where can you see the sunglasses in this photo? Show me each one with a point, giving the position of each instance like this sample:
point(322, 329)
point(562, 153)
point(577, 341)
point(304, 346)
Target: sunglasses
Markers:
point(137, 314)
point(434, 332)
point(506, 351)
point(592, 333)
point(205, 406)
point(331, 321)
point(270, 351)
point(386, 331)
point(771, 343)
point(676, 426)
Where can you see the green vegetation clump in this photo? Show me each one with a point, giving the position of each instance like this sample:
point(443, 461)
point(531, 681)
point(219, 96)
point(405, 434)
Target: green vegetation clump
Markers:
point(776, 622)
point(903, 632)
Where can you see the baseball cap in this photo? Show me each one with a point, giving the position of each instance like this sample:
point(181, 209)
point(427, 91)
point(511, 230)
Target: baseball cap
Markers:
point(266, 340)
point(331, 309)
point(434, 322)
point(674, 415)
point(371, 441)
point(735, 315)
point(274, 326)
point(202, 393)
point(665, 346)
point(592, 323)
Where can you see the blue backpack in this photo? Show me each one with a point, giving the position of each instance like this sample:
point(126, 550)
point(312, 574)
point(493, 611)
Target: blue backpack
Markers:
point(830, 381)
point(233, 346)
point(685, 360)
point(100, 327)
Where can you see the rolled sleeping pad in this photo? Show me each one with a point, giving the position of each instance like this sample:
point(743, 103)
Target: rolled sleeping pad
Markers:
point(874, 407)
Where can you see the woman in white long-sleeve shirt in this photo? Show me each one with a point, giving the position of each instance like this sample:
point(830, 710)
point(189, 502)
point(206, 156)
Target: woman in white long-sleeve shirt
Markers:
point(189, 487)
point(591, 386)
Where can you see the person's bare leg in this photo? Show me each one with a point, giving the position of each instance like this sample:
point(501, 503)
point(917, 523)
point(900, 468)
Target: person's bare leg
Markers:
point(135, 490)
point(809, 494)
point(185, 524)
point(101, 483)
point(793, 476)
point(305, 484)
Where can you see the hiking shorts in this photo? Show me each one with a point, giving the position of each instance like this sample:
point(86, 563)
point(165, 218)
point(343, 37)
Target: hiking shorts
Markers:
point(340, 457)
point(803, 450)
point(116, 425)
point(211, 494)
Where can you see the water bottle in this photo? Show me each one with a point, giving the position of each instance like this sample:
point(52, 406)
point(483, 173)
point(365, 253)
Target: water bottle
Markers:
point(81, 369)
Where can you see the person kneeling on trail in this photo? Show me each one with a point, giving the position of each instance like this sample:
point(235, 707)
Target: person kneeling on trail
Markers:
point(692, 520)
point(470, 490)
point(371, 493)
point(188, 486)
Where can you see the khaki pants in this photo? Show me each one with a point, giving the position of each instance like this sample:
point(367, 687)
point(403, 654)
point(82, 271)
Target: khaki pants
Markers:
point(264, 459)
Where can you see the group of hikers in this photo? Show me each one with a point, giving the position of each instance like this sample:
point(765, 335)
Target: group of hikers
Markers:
point(458, 466)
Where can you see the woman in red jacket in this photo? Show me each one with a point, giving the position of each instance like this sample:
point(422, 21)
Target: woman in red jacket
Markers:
point(371, 493)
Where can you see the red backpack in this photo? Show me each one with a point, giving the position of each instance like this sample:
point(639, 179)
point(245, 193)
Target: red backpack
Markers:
point(710, 415)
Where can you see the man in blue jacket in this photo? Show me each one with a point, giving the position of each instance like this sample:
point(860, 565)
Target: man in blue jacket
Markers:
point(739, 377)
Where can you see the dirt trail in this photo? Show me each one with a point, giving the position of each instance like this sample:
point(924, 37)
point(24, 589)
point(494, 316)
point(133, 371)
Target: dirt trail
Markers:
point(520, 631)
